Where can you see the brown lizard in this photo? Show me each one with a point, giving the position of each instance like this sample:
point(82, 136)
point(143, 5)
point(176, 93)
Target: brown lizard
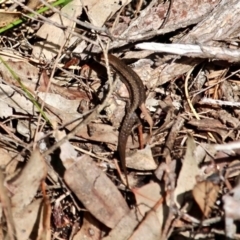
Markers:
point(137, 100)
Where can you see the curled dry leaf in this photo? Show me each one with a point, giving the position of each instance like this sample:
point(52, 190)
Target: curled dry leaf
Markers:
point(205, 194)
point(96, 191)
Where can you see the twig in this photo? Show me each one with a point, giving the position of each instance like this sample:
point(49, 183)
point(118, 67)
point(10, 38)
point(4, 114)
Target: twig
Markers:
point(190, 50)
point(211, 101)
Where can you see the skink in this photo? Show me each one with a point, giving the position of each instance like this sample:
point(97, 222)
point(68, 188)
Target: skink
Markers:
point(137, 100)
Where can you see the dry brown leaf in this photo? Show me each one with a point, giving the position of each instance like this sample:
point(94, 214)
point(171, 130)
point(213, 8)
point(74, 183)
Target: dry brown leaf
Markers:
point(104, 9)
point(186, 179)
point(8, 17)
point(141, 160)
point(100, 133)
point(205, 194)
point(44, 230)
point(147, 198)
point(90, 230)
point(24, 186)
point(49, 49)
point(68, 154)
point(125, 227)
point(16, 101)
point(33, 3)
point(62, 104)
point(231, 208)
point(96, 191)
point(150, 228)
point(8, 96)
point(68, 93)
point(5, 157)
point(6, 210)
point(24, 70)
point(204, 152)
point(29, 220)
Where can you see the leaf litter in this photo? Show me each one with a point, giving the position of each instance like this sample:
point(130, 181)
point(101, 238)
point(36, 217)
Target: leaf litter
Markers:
point(60, 176)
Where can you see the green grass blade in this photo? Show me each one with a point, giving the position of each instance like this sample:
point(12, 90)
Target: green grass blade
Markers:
point(41, 10)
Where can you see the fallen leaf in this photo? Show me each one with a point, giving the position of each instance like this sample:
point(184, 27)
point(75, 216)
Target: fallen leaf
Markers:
point(8, 17)
point(205, 194)
point(153, 210)
point(125, 226)
point(141, 160)
point(96, 191)
point(146, 198)
point(231, 203)
point(33, 3)
point(24, 70)
point(68, 154)
point(6, 210)
point(29, 220)
point(15, 100)
point(5, 157)
point(44, 230)
point(5, 110)
point(104, 9)
point(150, 228)
point(90, 229)
point(24, 186)
point(187, 176)
point(49, 49)
point(59, 102)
